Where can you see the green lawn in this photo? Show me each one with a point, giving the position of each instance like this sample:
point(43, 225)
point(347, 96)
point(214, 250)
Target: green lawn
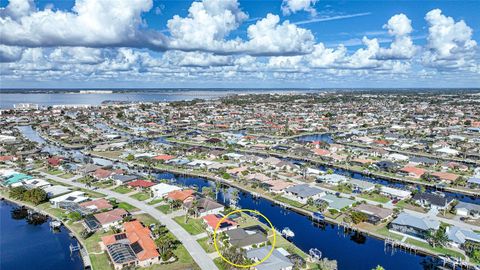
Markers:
point(54, 171)
point(219, 263)
point(375, 197)
point(193, 226)
point(164, 208)
point(152, 202)
point(141, 196)
point(67, 175)
point(385, 232)
point(100, 262)
point(440, 250)
point(122, 189)
point(128, 207)
point(288, 201)
point(204, 243)
point(145, 219)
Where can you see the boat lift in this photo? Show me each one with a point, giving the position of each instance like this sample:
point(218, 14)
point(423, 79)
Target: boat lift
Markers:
point(315, 254)
point(288, 233)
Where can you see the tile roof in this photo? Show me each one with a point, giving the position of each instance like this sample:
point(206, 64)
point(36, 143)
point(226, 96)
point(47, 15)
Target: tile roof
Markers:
point(141, 183)
point(212, 221)
point(180, 195)
point(99, 204)
point(111, 216)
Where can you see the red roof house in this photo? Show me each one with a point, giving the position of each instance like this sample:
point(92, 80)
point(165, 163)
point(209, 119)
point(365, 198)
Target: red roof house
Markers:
point(164, 157)
point(181, 195)
point(54, 161)
point(413, 171)
point(141, 184)
point(212, 221)
point(102, 173)
point(98, 205)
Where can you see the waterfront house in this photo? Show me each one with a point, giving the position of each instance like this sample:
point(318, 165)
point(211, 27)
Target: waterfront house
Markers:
point(432, 200)
point(111, 218)
point(247, 238)
point(474, 181)
point(54, 161)
point(445, 176)
point(212, 220)
point(413, 225)
point(395, 193)
point(97, 205)
point(387, 166)
point(458, 237)
point(56, 190)
point(161, 190)
point(361, 186)
point(33, 183)
point(278, 260)
point(121, 179)
point(303, 192)
point(141, 184)
point(278, 186)
point(102, 174)
point(87, 169)
point(16, 178)
point(181, 195)
point(413, 172)
point(134, 247)
point(75, 197)
point(205, 206)
point(422, 161)
point(334, 202)
point(332, 179)
point(398, 157)
point(375, 214)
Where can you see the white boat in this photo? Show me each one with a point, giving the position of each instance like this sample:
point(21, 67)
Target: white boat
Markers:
point(315, 254)
point(287, 232)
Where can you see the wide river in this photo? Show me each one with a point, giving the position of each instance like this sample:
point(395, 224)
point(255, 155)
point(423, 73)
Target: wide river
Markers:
point(8, 99)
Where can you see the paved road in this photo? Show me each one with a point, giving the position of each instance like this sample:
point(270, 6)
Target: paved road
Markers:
point(196, 251)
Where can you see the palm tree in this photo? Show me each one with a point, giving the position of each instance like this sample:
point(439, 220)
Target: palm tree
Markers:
point(192, 210)
point(438, 237)
point(218, 185)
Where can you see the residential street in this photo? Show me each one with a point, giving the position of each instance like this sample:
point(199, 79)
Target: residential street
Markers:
point(200, 256)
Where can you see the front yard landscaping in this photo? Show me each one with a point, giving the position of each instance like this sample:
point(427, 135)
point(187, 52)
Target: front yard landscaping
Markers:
point(141, 196)
point(193, 226)
point(122, 189)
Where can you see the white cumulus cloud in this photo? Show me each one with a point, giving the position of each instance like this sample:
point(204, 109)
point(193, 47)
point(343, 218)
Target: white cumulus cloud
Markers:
point(449, 43)
point(294, 6)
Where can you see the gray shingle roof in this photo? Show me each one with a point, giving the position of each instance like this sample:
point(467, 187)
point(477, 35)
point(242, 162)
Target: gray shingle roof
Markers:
point(459, 235)
point(244, 237)
point(416, 222)
point(304, 190)
point(276, 261)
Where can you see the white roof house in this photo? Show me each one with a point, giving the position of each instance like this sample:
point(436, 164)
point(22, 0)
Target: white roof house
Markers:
point(75, 196)
point(448, 151)
point(394, 192)
point(398, 157)
point(333, 179)
point(54, 191)
point(162, 189)
point(36, 183)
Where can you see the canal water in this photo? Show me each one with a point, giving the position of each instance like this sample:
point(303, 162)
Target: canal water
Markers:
point(25, 247)
point(351, 250)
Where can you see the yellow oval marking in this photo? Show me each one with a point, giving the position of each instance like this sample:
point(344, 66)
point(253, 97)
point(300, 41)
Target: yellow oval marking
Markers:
point(244, 265)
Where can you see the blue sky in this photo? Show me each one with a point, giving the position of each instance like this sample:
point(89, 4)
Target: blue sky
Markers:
point(230, 43)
